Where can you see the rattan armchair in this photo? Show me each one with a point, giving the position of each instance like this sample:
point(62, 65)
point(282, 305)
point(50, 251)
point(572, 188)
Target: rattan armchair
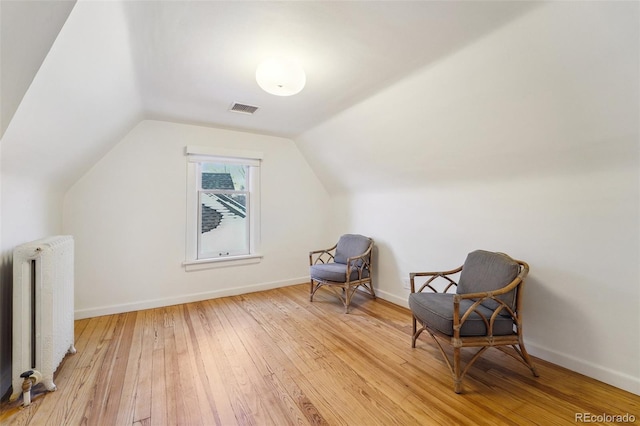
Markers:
point(343, 268)
point(485, 311)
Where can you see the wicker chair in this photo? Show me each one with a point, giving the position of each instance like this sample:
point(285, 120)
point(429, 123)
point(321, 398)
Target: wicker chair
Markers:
point(485, 311)
point(343, 268)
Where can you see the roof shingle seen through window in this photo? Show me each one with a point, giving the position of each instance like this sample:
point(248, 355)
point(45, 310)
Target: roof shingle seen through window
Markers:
point(217, 181)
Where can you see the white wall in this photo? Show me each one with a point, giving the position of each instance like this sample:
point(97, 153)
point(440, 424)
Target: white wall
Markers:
point(128, 212)
point(524, 142)
point(80, 102)
point(31, 209)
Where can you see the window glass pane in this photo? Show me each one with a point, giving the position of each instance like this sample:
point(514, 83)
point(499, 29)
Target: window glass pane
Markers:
point(224, 226)
point(224, 176)
point(223, 206)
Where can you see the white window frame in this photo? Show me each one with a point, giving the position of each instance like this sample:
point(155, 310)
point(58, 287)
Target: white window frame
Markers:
point(195, 156)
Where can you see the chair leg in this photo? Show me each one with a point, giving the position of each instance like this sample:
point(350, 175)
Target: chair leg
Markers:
point(527, 359)
point(519, 353)
point(347, 299)
point(414, 334)
point(369, 287)
point(455, 364)
point(313, 289)
point(457, 379)
point(345, 294)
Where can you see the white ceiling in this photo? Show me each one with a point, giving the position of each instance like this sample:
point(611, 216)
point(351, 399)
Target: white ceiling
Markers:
point(194, 59)
point(114, 63)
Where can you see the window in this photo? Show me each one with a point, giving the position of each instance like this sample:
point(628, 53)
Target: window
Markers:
point(223, 212)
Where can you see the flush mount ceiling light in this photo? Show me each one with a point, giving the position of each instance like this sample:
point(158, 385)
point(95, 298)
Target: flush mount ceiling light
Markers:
point(280, 76)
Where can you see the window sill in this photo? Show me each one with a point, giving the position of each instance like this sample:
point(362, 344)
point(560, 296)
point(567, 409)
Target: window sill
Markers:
point(200, 264)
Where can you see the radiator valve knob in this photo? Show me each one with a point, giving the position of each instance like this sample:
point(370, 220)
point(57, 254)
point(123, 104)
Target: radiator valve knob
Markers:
point(26, 374)
point(31, 377)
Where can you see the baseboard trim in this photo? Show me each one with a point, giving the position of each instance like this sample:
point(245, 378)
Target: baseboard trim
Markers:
point(598, 372)
point(195, 297)
point(389, 297)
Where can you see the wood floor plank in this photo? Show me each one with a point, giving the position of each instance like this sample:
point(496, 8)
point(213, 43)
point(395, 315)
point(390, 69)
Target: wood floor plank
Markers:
point(188, 407)
point(213, 382)
point(277, 404)
point(115, 376)
point(171, 372)
point(261, 408)
point(159, 398)
point(231, 374)
point(132, 378)
point(341, 338)
point(142, 396)
point(289, 400)
point(274, 363)
point(274, 358)
point(374, 357)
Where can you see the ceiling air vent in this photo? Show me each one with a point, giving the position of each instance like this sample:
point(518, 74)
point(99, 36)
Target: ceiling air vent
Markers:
point(243, 109)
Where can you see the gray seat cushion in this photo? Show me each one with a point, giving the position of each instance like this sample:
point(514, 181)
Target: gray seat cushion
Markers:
point(436, 311)
point(351, 245)
point(488, 271)
point(334, 272)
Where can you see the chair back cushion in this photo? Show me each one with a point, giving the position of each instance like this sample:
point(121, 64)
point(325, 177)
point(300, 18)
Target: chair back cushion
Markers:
point(351, 245)
point(488, 271)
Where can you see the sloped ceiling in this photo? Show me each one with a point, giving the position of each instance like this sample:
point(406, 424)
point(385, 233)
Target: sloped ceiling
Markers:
point(80, 103)
point(115, 63)
point(27, 31)
point(553, 93)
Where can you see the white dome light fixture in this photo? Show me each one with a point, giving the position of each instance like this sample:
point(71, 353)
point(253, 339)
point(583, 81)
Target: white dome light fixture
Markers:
point(280, 76)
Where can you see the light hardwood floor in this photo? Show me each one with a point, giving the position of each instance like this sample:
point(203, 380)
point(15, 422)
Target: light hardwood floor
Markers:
point(274, 358)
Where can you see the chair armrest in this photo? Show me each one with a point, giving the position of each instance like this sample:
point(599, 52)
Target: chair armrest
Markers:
point(434, 275)
point(524, 271)
point(364, 256)
point(489, 294)
point(480, 297)
point(321, 256)
point(360, 262)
